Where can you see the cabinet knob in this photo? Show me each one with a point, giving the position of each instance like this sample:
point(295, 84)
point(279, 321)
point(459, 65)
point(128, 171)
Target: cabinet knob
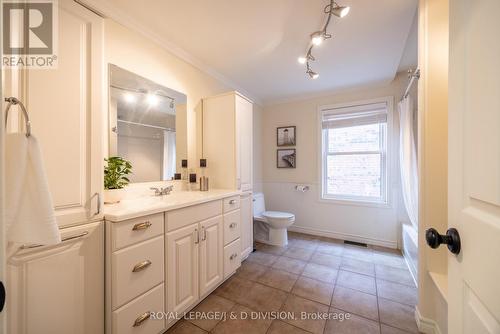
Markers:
point(233, 256)
point(233, 201)
point(232, 225)
point(451, 239)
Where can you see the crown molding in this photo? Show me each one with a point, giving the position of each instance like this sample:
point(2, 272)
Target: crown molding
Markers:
point(105, 9)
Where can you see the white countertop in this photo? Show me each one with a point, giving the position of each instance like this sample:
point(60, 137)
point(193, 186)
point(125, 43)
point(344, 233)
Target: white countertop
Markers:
point(137, 207)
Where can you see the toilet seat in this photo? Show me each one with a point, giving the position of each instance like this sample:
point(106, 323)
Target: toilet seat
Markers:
point(278, 215)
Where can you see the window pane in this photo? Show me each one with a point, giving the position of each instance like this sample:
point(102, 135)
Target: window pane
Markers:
point(354, 175)
point(355, 138)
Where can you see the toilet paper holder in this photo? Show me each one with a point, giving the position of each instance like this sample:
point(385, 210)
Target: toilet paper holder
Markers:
point(301, 188)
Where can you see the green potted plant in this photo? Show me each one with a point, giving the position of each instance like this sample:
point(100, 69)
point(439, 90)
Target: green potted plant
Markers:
point(115, 178)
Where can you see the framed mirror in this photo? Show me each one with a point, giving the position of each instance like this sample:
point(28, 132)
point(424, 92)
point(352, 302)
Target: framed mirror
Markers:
point(147, 125)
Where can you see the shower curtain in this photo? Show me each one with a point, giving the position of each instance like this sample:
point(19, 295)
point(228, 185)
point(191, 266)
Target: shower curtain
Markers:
point(408, 159)
point(168, 154)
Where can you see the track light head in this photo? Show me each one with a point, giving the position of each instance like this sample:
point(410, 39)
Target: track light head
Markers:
point(312, 74)
point(152, 99)
point(302, 60)
point(340, 11)
point(317, 38)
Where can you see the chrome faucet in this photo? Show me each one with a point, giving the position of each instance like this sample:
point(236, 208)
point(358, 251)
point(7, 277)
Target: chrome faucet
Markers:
point(162, 191)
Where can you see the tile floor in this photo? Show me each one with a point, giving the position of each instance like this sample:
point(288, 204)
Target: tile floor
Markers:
point(318, 276)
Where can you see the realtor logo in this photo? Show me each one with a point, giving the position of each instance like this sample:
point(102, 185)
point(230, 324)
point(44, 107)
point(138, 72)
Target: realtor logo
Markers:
point(29, 34)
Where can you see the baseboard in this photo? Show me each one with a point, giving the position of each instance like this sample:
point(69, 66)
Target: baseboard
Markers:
point(344, 236)
point(426, 326)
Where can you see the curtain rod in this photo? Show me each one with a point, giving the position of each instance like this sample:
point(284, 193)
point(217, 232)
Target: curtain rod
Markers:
point(413, 75)
point(146, 125)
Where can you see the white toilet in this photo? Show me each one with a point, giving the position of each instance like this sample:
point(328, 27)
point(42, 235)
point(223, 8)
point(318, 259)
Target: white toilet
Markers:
point(270, 227)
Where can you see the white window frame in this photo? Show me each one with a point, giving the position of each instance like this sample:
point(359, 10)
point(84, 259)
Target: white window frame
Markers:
point(386, 159)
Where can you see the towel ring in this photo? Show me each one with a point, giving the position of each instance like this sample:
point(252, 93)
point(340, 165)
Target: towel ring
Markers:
point(15, 101)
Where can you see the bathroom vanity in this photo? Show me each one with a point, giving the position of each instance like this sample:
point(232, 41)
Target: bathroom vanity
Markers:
point(166, 253)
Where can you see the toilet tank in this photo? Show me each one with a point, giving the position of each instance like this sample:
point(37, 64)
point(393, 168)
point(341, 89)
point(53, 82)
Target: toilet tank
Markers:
point(259, 205)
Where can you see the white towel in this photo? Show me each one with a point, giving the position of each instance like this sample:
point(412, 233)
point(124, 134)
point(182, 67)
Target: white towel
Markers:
point(30, 216)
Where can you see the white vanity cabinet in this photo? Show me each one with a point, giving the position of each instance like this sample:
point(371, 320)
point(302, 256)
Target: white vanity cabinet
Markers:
point(59, 289)
point(246, 210)
point(227, 140)
point(183, 254)
point(66, 110)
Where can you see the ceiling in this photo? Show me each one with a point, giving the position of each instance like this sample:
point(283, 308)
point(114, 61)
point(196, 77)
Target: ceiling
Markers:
point(254, 45)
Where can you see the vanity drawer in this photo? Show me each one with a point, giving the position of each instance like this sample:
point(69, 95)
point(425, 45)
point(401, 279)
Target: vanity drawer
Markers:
point(232, 259)
point(232, 226)
point(135, 230)
point(186, 216)
point(136, 269)
point(137, 310)
point(231, 203)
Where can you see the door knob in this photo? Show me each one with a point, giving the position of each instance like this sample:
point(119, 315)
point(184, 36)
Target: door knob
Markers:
point(451, 239)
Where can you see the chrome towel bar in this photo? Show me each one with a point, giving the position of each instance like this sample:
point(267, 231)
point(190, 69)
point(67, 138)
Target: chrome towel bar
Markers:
point(14, 101)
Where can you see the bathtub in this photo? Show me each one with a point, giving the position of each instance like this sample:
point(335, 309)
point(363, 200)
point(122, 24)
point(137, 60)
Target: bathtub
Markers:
point(410, 249)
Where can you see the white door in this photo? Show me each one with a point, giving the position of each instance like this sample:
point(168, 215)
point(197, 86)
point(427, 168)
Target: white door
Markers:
point(246, 212)
point(182, 268)
point(244, 143)
point(59, 289)
point(211, 257)
point(474, 166)
point(2, 227)
point(66, 110)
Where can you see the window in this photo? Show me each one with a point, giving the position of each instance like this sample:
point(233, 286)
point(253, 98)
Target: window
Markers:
point(354, 153)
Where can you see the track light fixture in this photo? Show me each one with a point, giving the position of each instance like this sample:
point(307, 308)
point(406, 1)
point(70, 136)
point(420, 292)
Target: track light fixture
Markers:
point(318, 37)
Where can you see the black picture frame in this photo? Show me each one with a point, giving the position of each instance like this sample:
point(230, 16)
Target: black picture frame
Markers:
point(293, 139)
point(289, 162)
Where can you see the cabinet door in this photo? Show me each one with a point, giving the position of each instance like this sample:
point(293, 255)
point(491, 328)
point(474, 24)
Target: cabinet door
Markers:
point(66, 109)
point(182, 268)
point(244, 139)
point(211, 257)
point(59, 289)
point(246, 211)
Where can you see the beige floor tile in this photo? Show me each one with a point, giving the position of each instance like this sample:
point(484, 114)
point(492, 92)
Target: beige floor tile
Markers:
point(357, 252)
point(397, 292)
point(320, 273)
point(262, 298)
point(332, 261)
point(356, 281)
point(352, 325)
point(299, 253)
point(243, 324)
point(291, 265)
point(356, 302)
point(280, 327)
point(303, 243)
point(389, 259)
point(185, 327)
point(251, 270)
point(358, 266)
point(397, 315)
point(393, 274)
point(391, 330)
point(297, 305)
point(330, 248)
point(278, 279)
point(314, 290)
point(234, 289)
point(275, 250)
point(262, 258)
point(212, 303)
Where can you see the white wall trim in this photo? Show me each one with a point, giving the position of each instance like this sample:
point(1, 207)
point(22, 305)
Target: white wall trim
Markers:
point(104, 8)
point(345, 236)
point(427, 326)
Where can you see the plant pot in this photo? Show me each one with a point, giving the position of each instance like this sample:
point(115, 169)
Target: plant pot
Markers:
point(112, 196)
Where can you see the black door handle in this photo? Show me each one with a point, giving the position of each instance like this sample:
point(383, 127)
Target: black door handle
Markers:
point(451, 239)
point(2, 296)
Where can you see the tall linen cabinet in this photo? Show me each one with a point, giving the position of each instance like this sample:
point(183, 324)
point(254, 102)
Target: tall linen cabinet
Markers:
point(227, 132)
point(60, 289)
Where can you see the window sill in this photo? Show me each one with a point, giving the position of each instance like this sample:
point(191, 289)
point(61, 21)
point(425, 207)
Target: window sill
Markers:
point(381, 205)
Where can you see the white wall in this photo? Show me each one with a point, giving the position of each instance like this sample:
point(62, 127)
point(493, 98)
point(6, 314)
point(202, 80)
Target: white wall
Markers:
point(373, 225)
